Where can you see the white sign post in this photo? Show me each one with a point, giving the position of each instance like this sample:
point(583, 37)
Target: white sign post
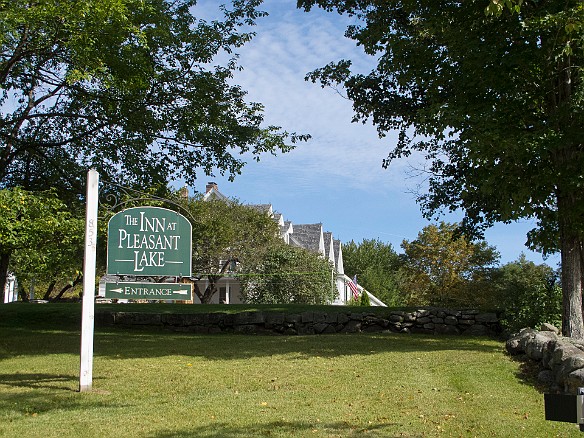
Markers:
point(87, 314)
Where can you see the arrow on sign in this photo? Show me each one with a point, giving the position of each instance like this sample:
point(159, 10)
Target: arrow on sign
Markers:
point(149, 291)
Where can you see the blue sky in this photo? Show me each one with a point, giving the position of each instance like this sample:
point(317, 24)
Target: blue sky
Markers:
point(336, 178)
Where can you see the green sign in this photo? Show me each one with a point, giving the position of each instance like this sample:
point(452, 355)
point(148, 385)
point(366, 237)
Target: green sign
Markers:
point(149, 241)
point(149, 291)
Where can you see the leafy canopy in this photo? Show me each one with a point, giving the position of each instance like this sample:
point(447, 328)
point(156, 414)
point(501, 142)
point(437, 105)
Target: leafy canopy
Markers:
point(491, 94)
point(41, 239)
point(227, 234)
point(530, 294)
point(441, 267)
point(493, 101)
point(128, 87)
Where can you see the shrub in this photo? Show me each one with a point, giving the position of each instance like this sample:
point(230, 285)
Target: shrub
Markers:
point(364, 300)
point(529, 294)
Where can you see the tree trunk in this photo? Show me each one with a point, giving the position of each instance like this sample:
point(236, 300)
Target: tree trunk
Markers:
point(49, 291)
point(569, 200)
point(77, 280)
point(210, 290)
point(212, 284)
point(22, 292)
point(571, 257)
point(197, 289)
point(572, 323)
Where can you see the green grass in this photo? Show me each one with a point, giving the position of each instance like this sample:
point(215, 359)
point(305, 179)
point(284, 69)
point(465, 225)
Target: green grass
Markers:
point(160, 384)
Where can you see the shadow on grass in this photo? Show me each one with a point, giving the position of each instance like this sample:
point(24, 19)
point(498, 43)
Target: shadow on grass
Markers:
point(36, 380)
point(227, 347)
point(31, 342)
point(527, 373)
point(42, 393)
point(123, 344)
point(55, 329)
point(285, 428)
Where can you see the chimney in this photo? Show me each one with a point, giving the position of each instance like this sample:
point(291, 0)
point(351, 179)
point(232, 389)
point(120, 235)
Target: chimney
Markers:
point(210, 186)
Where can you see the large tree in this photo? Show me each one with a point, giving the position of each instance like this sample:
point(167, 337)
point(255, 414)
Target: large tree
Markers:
point(40, 239)
point(226, 234)
point(129, 87)
point(446, 269)
point(493, 97)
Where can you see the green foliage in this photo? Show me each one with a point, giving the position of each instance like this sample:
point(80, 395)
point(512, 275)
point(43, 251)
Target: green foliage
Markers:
point(496, 7)
point(287, 274)
point(475, 98)
point(364, 299)
point(444, 268)
point(42, 238)
point(529, 294)
point(354, 301)
point(227, 234)
point(376, 264)
point(493, 100)
point(131, 88)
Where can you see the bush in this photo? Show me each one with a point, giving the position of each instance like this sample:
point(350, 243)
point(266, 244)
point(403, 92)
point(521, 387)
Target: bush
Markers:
point(288, 275)
point(364, 301)
point(529, 294)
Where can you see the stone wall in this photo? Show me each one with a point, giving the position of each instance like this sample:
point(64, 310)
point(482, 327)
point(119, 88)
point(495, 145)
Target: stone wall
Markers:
point(430, 321)
point(561, 359)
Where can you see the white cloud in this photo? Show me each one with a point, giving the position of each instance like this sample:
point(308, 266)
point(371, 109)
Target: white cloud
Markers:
point(336, 178)
point(275, 63)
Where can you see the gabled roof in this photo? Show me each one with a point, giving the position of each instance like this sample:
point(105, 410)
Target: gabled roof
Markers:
point(308, 236)
point(278, 218)
point(263, 208)
point(288, 226)
point(295, 241)
point(328, 247)
point(286, 230)
point(308, 228)
point(212, 193)
point(338, 249)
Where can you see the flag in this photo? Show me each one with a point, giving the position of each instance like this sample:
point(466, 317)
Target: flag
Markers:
point(353, 286)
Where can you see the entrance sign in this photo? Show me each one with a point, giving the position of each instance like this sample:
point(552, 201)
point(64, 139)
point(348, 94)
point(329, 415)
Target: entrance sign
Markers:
point(142, 241)
point(149, 241)
point(149, 291)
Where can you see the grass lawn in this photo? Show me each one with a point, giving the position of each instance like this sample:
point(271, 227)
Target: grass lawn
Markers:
point(162, 384)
